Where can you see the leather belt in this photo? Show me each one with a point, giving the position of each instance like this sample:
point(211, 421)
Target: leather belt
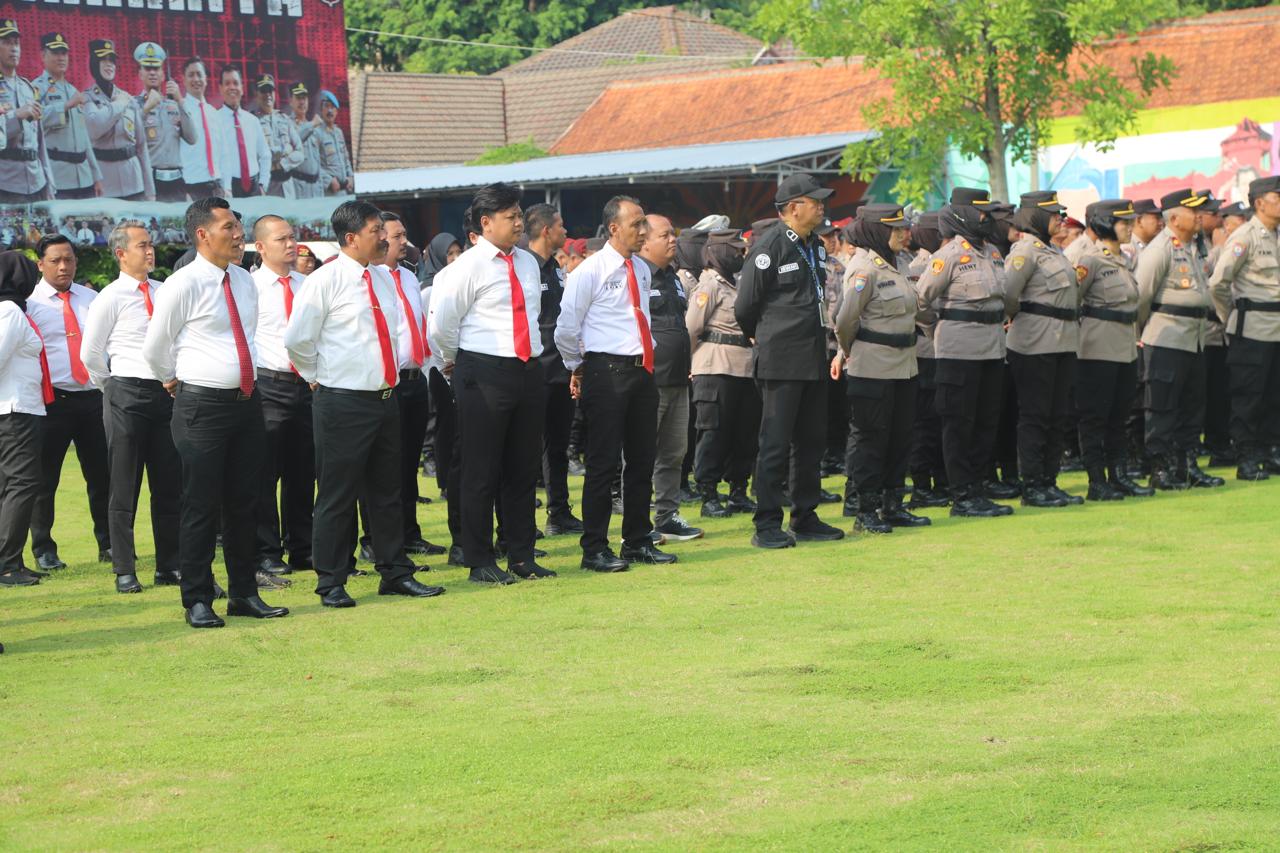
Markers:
point(969, 315)
point(231, 394)
point(279, 174)
point(727, 340)
point(1196, 313)
point(1108, 314)
point(22, 155)
point(1039, 308)
point(628, 360)
point(383, 394)
point(280, 376)
point(903, 341)
point(114, 155)
point(410, 374)
point(138, 382)
point(299, 175)
point(1244, 306)
point(76, 157)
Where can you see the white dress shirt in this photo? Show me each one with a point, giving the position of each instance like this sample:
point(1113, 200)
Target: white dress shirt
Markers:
point(271, 319)
point(595, 311)
point(332, 337)
point(255, 146)
point(473, 311)
point(115, 330)
point(434, 360)
point(193, 157)
point(20, 374)
point(44, 306)
point(190, 336)
point(409, 283)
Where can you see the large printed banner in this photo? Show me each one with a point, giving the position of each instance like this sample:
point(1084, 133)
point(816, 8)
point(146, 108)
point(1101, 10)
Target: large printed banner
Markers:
point(127, 109)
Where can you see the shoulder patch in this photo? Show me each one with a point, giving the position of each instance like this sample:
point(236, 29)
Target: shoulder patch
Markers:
point(1081, 272)
point(1039, 245)
point(937, 265)
point(763, 261)
point(879, 261)
point(702, 299)
point(822, 253)
point(1237, 249)
point(1018, 261)
point(859, 281)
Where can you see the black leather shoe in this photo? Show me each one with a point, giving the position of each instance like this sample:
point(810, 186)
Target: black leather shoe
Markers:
point(366, 552)
point(423, 547)
point(922, 498)
point(337, 597)
point(1118, 476)
point(1252, 470)
point(558, 525)
point(773, 538)
point(410, 587)
point(272, 566)
point(49, 561)
point(715, 508)
point(1065, 497)
point(816, 530)
point(127, 583)
point(646, 553)
point(490, 574)
point(1034, 494)
point(531, 571)
point(423, 499)
point(18, 577)
point(201, 615)
point(1199, 479)
point(104, 555)
point(869, 521)
point(604, 561)
point(1101, 490)
point(892, 511)
point(173, 578)
point(34, 572)
point(456, 557)
point(1002, 490)
point(255, 607)
point(270, 581)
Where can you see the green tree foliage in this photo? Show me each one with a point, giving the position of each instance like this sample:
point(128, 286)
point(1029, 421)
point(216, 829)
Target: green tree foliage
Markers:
point(986, 77)
point(514, 152)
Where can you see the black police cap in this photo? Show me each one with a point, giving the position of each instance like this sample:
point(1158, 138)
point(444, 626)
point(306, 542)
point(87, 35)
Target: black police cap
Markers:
point(1189, 199)
point(970, 195)
point(1261, 186)
point(1145, 205)
point(1114, 208)
point(54, 41)
point(800, 186)
point(1235, 209)
point(1042, 200)
point(727, 237)
point(891, 215)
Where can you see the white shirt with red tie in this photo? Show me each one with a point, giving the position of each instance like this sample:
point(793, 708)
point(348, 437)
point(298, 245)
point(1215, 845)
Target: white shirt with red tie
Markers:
point(257, 154)
point(407, 291)
point(20, 371)
point(471, 308)
point(196, 156)
point(47, 308)
point(332, 337)
point(596, 311)
point(273, 309)
point(116, 328)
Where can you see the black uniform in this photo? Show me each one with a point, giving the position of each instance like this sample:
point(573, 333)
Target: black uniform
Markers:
point(560, 406)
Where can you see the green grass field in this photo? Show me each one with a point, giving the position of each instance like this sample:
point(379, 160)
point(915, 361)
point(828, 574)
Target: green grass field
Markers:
point(1100, 677)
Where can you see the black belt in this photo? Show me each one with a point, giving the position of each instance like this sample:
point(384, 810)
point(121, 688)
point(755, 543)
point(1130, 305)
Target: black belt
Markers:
point(628, 360)
point(153, 384)
point(23, 155)
point(410, 374)
point(1068, 314)
point(299, 175)
point(114, 155)
point(968, 315)
point(1127, 317)
point(727, 340)
point(1244, 306)
point(1198, 313)
point(76, 157)
point(903, 341)
point(279, 174)
point(384, 394)
point(280, 376)
point(231, 394)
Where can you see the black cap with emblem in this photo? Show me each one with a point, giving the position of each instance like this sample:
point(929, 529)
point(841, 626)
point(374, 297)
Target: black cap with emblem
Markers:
point(890, 215)
point(299, 89)
point(1101, 216)
point(266, 83)
point(54, 41)
point(102, 49)
point(1235, 209)
point(1188, 198)
point(971, 196)
point(8, 28)
point(800, 186)
point(1042, 200)
point(1261, 186)
point(727, 237)
point(1145, 205)
point(1211, 204)
point(825, 228)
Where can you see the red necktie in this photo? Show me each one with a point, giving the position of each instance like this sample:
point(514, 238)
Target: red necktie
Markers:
point(237, 331)
point(208, 141)
point(646, 340)
point(288, 309)
point(519, 316)
point(46, 384)
point(145, 287)
point(415, 333)
point(245, 183)
point(72, 326)
point(389, 373)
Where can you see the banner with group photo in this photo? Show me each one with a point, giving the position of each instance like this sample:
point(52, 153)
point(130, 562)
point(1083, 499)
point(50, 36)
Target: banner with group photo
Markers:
point(128, 109)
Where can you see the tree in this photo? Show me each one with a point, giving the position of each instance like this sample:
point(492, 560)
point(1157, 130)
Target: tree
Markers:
point(985, 76)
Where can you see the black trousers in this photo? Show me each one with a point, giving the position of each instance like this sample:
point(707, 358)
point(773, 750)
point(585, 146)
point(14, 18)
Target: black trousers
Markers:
point(881, 414)
point(926, 465)
point(727, 417)
point(501, 412)
point(21, 436)
point(357, 458)
point(837, 415)
point(1255, 394)
point(793, 426)
point(1175, 399)
point(555, 447)
point(73, 416)
point(170, 190)
point(448, 455)
point(1107, 389)
point(414, 399)
point(1004, 455)
point(238, 191)
point(289, 461)
point(1044, 382)
point(620, 408)
point(1217, 397)
point(968, 397)
point(138, 419)
point(219, 439)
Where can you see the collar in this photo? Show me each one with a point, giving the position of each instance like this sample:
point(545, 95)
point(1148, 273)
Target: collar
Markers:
point(488, 251)
point(207, 267)
point(610, 254)
point(350, 263)
point(134, 283)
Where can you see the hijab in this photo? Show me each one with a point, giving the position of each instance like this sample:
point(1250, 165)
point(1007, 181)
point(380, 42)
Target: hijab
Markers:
point(925, 234)
point(872, 235)
point(725, 259)
point(18, 277)
point(437, 256)
point(1033, 220)
point(95, 70)
point(689, 252)
point(962, 220)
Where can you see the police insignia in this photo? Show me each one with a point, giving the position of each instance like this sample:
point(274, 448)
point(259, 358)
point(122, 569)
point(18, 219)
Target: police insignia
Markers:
point(762, 262)
point(937, 265)
point(1039, 245)
point(879, 261)
point(1019, 262)
point(964, 259)
point(859, 281)
point(1185, 283)
point(822, 253)
point(1237, 249)
point(1183, 268)
point(702, 299)
point(1081, 272)
point(995, 256)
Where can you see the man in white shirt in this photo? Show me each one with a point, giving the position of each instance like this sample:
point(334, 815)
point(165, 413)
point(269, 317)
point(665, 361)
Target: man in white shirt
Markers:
point(199, 344)
point(247, 159)
point(59, 308)
point(203, 172)
point(485, 318)
point(604, 336)
point(290, 460)
point(23, 392)
point(342, 339)
point(138, 410)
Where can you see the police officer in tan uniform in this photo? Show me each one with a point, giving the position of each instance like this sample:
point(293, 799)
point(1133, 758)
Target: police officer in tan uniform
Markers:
point(282, 138)
point(1216, 417)
point(964, 288)
point(306, 175)
point(1107, 360)
point(1246, 296)
point(928, 471)
point(726, 402)
point(75, 171)
point(164, 122)
point(1173, 311)
point(336, 175)
point(115, 126)
point(25, 173)
point(876, 336)
point(1042, 298)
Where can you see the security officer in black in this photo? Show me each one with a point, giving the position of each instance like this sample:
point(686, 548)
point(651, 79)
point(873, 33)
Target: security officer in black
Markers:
point(780, 305)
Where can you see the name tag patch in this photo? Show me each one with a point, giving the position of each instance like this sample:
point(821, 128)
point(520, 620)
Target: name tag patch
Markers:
point(788, 268)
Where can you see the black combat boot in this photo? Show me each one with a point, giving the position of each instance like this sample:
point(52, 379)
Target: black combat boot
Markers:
point(739, 500)
point(850, 500)
point(1199, 479)
point(1120, 479)
point(891, 510)
point(1051, 486)
point(1100, 489)
point(1036, 493)
point(1167, 475)
point(712, 504)
point(868, 518)
point(1252, 468)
